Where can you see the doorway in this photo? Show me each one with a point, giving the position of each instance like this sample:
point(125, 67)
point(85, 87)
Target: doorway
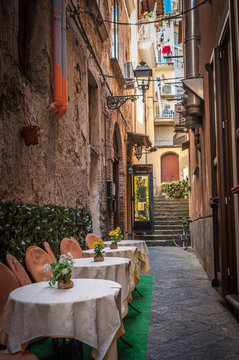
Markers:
point(169, 167)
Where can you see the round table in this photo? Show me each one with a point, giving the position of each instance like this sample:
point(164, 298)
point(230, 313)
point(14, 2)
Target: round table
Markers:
point(89, 312)
point(129, 252)
point(112, 268)
point(142, 250)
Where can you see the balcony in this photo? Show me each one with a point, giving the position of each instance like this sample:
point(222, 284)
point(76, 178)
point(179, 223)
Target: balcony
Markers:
point(146, 44)
point(164, 115)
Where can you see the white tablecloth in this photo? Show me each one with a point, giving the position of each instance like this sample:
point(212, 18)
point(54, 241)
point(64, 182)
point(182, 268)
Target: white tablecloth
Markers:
point(88, 312)
point(142, 251)
point(129, 252)
point(112, 268)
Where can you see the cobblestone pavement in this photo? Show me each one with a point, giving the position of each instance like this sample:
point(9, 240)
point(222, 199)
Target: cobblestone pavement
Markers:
point(189, 319)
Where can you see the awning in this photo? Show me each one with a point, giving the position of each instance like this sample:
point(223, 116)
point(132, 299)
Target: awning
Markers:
point(139, 139)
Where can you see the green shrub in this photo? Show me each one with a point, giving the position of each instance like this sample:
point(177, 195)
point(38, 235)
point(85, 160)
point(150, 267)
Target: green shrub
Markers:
point(175, 189)
point(22, 225)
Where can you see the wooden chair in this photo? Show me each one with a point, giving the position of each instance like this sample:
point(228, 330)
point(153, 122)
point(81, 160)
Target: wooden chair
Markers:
point(72, 246)
point(18, 270)
point(8, 283)
point(35, 259)
point(89, 239)
point(49, 251)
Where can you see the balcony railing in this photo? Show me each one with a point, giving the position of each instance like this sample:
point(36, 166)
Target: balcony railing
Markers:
point(166, 112)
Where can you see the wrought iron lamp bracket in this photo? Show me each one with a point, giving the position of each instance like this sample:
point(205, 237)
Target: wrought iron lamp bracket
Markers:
point(115, 102)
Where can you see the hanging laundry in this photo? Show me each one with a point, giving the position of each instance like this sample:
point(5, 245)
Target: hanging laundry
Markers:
point(166, 49)
point(167, 6)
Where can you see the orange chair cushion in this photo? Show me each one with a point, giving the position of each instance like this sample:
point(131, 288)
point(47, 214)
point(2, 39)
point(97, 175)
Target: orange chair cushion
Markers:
point(72, 246)
point(49, 251)
point(35, 259)
point(26, 355)
point(18, 270)
point(8, 283)
point(89, 239)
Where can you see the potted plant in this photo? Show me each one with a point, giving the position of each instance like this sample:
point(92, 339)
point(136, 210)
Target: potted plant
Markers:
point(61, 272)
point(30, 134)
point(98, 250)
point(116, 236)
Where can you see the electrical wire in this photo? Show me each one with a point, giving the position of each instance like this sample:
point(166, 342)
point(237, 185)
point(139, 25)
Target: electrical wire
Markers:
point(172, 17)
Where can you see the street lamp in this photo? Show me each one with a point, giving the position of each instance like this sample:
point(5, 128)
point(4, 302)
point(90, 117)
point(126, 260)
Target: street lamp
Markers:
point(143, 74)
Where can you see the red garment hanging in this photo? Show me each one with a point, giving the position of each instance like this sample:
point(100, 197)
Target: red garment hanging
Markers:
point(166, 49)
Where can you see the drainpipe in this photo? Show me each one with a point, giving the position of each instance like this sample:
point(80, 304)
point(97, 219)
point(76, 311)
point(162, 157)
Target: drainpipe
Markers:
point(214, 199)
point(193, 82)
point(64, 105)
point(59, 105)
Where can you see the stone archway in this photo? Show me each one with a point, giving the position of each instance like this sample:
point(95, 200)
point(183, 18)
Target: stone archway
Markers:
point(169, 167)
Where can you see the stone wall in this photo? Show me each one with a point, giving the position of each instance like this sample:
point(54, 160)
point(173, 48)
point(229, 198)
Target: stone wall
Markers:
point(61, 169)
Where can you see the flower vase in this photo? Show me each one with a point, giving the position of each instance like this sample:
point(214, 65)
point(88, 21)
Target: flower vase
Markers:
point(98, 258)
point(114, 246)
point(65, 285)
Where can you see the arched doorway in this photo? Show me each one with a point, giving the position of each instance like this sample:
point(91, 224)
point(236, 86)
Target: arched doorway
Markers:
point(169, 167)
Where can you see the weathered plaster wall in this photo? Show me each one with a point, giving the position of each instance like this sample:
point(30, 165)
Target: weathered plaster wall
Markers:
point(200, 211)
point(57, 170)
point(201, 238)
point(155, 159)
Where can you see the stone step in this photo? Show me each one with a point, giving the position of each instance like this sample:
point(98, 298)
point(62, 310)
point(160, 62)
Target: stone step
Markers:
point(170, 201)
point(174, 216)
point(167, 226)
point(172, 209)
point(176, 206)
point(167, 231)
point(160, 243)
point(149, 237)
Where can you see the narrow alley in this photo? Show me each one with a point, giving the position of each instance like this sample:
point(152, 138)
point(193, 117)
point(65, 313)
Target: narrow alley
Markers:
point(188, 320)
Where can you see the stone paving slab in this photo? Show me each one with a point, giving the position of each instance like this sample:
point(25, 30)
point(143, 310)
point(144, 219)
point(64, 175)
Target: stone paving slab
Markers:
point(189, 320)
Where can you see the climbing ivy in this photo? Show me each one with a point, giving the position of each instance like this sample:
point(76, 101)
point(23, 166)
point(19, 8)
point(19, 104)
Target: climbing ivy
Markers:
point(22, 225)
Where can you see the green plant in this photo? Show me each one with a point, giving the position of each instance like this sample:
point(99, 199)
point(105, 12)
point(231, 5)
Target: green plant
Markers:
point(175, 189)
point(99, 247)
point(22, 225)
point(149, 14)
point(61, 270)
point(116, 235)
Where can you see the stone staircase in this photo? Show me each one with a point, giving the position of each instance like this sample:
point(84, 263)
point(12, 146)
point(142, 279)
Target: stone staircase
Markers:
point(166, 222)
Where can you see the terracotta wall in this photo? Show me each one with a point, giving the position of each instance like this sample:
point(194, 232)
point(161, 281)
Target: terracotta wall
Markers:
point(201, 230)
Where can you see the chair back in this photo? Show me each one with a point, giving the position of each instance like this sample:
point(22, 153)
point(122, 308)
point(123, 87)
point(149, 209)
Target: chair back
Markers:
point(18, 270)
point(8, 283)
point(49, 251)
point(90, 239)
point(26, 355)
point(72, 246)
point(35, 259)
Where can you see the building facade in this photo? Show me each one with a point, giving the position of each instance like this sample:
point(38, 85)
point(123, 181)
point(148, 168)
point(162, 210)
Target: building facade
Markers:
point(211, 54)
point(58, 65)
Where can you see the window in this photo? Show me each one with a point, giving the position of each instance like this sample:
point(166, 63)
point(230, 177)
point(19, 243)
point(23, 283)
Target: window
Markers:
point(115, 28)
